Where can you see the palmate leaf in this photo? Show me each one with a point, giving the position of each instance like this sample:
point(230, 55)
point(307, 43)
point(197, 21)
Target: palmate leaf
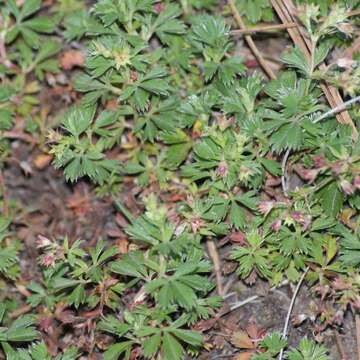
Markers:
point(350, 249)
point(180, 288)
point(332, 199)
point(288, 136)
point(28, 26)
point(8, 257)
point(252, 257)
point(296, 58)
point(155, 82)
point(255, 10)
point(114, 351)
point(210, 30)
point(92, 165)
point(225, 72)
point(79, 154)
point(308, 350)
point(164, 24)
point(171, 348)
point(273, 343)
point(180, 146)
point(163, 116)
point(169, 341)
point(107, 11)
point(38, 351)
point(113, 326)
point(78, 119)
point(131, 265)
point(152, 345)
point(20, 330)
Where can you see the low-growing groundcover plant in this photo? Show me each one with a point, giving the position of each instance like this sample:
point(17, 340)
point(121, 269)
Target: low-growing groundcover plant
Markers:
point(162, 106)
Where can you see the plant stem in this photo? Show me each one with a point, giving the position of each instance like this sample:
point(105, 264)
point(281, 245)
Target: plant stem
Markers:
point(338, 109)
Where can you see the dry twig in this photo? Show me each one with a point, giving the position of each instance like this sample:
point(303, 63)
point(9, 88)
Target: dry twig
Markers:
point(293, 299)
point(263, 28)
point(340, 346)
point(357, 324)
point(214, 255)
point(284, 176)
point(338, 108)
point(250, 41)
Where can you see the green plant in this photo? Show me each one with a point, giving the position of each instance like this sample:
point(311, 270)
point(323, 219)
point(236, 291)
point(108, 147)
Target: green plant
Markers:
point(308, 350)
point(38, 351)
point(20, 330)
point(190, 147)
point(143, 328)
point(8, 252)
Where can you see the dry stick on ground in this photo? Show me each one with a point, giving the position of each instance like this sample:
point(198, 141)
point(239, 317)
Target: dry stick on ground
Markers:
point(263, 28)
point(293, 299)
point(284, 176)
point(250, 41)
point(357, 324)
point(214, 255)
point(340, 346)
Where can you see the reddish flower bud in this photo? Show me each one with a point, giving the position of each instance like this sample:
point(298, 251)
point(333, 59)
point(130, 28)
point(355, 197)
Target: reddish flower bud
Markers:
point(304, 220)
point(346, 187)
point(133, 75)
point(356, 182)
point(297, 216)
point(266, 206)
point(319, 161)
point(337, 167)
point(159, 7)
point(238, 237)
point(307, 174)
point(42, 241)
point(222, 169)
point(48, 260)
point(276, 225)
point(196, 224)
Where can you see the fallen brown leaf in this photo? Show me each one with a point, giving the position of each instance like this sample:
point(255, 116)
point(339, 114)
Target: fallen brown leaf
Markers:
point(42, 161)
point(242, 340)
point(123, 245)
point(244, 356)
point(72, 58)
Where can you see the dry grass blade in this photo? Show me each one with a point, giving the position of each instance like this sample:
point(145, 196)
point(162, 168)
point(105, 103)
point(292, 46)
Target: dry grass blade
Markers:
point(263, 28)
point(214, 255)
